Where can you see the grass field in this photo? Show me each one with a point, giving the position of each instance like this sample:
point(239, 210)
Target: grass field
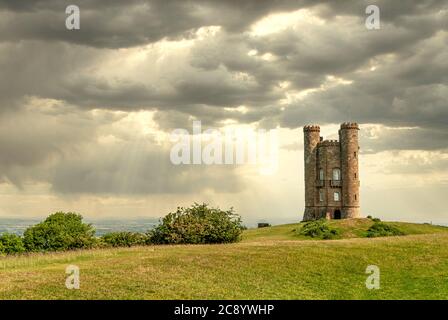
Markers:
point(270, 263)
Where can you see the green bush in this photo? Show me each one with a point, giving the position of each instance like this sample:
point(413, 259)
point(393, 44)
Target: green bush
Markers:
point(59, 231)
point(197, 224)
point(318, 229)
point(11, 243)
point(381, 229)
point(124, 239)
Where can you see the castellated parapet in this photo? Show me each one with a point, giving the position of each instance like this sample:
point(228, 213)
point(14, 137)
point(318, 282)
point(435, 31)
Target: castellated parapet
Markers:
point(331, 173)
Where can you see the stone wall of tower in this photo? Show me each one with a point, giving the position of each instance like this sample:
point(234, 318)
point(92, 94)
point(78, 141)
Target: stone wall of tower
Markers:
point(348, 138)
point(311, 135)
point(328, 158)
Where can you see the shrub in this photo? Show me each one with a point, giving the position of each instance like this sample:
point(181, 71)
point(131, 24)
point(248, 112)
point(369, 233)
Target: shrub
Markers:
point(123, 239)
point(197, 224)
point(59, 231)
point(318, 229)
point(11, 243)
point(373, 219)
point(381, 229)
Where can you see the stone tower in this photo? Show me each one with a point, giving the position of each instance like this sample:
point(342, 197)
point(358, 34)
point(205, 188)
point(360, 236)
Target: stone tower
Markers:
point(331, 173)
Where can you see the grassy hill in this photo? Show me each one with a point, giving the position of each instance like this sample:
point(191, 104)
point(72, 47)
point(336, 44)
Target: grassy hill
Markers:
point(348, 228)
point(270, 263)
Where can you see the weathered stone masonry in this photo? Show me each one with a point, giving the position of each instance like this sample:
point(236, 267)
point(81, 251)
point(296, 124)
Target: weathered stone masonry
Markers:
point(331, 173)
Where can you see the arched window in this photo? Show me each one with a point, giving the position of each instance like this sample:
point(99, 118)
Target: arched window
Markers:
point(336, 174)
point(336, 196)
point(321, 174)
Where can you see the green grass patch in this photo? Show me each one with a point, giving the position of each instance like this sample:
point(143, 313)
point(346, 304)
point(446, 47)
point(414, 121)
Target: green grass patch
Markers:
point(347, 229)
point(271, 263)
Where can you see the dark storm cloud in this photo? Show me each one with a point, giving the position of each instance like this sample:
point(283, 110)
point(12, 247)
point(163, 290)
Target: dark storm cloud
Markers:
point(407, 88)
point(397, 75)
point(116, 24)
point(384, 96)
point(303, 57)
point(32, 68)
point(31, 140)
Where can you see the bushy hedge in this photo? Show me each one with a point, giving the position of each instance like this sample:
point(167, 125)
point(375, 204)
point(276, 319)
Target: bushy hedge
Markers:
point(318, 229)
point(59, 231)
point(197, 224)
point(381, 229)
point(124, 239)
point(11, 244)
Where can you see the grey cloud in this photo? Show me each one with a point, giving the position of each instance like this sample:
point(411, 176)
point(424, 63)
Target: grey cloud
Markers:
point(48, 142)
point(135, 168)
point(32, 139)
point(404, 139)
point(408, 88)
point(115, 24)
point(35, 69)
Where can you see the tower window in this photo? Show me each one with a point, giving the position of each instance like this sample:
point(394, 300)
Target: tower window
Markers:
point(354, 154)
point(355, 175)
point(321, 174)
point(321, 195)
point(336, 174)
point(355, 196)
point(336, 196)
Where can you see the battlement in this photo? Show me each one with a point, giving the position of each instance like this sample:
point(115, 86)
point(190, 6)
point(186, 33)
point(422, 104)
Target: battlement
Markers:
point(311, 128)
point(328, 143)
point(350, 125)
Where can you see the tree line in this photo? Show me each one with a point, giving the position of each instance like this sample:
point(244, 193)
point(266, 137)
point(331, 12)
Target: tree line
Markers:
point(61, 231)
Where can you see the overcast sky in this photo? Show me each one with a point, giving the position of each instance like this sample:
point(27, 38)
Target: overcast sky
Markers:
point(86, 115)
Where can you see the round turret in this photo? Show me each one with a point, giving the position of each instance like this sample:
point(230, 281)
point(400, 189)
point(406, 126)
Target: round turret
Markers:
point(348, 136)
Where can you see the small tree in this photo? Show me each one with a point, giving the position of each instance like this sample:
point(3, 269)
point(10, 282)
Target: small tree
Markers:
point(11, 243)
point(197, 224)
point(59, 231)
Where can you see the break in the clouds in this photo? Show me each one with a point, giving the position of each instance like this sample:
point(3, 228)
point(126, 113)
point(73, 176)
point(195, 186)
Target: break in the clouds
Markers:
point(88, 112)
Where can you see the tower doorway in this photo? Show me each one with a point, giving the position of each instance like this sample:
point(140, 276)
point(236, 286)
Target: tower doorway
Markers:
point(337, 214)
